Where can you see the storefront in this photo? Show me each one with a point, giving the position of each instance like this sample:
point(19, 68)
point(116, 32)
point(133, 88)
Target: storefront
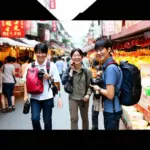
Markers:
point(10, 47)
point(133, 44)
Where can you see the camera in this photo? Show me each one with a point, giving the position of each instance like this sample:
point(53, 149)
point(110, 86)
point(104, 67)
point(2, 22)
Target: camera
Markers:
point(41, 73)
point(97, 81)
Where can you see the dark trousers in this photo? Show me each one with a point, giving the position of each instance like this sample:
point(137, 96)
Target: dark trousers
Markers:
point(36, 107)
point(111, 120)
point(8, 89)
point(60, 76)
point(95, 115)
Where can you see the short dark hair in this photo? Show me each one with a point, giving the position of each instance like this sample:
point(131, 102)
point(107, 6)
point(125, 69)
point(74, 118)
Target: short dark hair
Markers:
point(9, 59)
point(26, 58)
point(85, 54)
point(41, 47)
point(105, 43)
point(76, 50)
point(68, 58)
point(13, 59)
point(59, 57)
point(31, 60)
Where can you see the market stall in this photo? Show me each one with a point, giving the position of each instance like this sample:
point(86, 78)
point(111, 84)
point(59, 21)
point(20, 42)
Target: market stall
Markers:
point(136, 50)
point(10, 47)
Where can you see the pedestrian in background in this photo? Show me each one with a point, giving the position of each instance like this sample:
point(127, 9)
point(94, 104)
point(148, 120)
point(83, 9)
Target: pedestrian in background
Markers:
point(85, 60)
point(60, 66)
point(9, 82)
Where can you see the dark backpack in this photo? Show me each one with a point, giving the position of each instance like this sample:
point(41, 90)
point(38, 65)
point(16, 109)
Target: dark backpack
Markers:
point(131, 88)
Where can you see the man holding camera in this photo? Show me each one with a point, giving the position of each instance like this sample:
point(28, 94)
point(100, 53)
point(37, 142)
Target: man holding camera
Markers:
point(45, 100)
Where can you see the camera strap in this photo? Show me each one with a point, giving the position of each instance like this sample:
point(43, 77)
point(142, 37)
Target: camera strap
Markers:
point(48, 70)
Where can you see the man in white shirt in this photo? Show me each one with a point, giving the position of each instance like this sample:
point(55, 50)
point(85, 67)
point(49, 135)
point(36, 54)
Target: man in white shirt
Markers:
point(45, 100)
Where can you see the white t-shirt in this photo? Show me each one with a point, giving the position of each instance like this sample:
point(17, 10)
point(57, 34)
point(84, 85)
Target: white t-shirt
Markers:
point(47, 94)
point(8, 73)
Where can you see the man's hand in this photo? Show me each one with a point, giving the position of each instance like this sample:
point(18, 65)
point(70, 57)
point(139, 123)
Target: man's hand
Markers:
point(60, 103)
point(86, 98)
point(25, 98)
point(95, 87)
point(46, 76)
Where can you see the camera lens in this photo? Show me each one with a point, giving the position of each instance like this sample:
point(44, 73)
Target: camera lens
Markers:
point(40, 74)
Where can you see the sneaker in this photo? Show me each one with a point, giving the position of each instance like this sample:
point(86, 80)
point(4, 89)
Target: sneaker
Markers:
point(13, 108)
point(10, 109)
point(4, 110)
point(94, 128)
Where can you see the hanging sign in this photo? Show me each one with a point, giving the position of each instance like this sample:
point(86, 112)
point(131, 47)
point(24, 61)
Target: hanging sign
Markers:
point(52, 4)
point(54, 26)
point(12, 29)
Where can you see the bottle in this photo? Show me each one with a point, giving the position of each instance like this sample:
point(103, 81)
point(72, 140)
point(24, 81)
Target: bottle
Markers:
point(26, 108)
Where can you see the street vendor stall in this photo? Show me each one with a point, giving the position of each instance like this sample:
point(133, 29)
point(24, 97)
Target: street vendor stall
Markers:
point(134, 47)
point(10, 47)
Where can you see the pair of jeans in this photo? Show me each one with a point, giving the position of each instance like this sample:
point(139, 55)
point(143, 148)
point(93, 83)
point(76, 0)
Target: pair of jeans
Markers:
point(95, 115)
point(111, 120)
point(36, 107)
point(8, 89)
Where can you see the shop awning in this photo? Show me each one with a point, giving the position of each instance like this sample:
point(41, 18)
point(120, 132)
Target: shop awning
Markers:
point(14, 43)
point(88, 48)
point(60, 48)
point(29, 42)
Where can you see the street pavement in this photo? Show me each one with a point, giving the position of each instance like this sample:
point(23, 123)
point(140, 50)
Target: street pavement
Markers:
point(61, 117)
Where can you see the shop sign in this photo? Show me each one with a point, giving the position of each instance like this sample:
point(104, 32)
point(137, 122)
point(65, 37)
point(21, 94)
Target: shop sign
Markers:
point(52, 4)
point(13, 29)
point(54, 26)
point(28, 25)
point(108, 28)
point(31, 28)
point(47, 35)
point(117, 26)
point(130, 23)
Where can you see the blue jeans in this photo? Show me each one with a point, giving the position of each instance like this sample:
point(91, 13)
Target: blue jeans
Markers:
point(36, 107)
point(111, 120)
point(8, 89)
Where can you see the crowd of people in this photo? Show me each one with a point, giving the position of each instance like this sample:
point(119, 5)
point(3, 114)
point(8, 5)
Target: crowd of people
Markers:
point(75, 70)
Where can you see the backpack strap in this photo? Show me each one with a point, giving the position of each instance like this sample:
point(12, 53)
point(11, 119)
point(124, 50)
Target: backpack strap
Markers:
point(110, 63)
point(86, 78)
point(48, 70)
point(33, 64)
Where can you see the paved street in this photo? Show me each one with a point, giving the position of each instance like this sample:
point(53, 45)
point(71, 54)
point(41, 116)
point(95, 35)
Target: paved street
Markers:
point(61, 118)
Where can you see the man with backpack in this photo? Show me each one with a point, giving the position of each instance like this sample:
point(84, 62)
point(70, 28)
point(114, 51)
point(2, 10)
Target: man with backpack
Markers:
point(112, 77)
point(38, 78)
point(122, 85)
